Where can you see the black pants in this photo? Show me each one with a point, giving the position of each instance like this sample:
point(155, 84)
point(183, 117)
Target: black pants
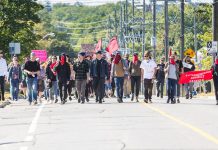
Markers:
point(2, 84)
point(62, 88)
point(148, 85)
point(69, 87)
point(160, 87)
point(215, 81)
point(135, 85)
point(89, 89)
point(99, 88)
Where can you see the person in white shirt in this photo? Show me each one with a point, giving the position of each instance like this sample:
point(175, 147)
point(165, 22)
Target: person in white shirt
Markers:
point(148, 69)
point(3, 75)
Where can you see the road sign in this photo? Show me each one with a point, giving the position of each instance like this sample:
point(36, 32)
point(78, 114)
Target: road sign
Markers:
point(212, 47)
point(14, 48)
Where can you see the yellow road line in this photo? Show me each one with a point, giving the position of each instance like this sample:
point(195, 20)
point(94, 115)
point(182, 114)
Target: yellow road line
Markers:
point(187, 125)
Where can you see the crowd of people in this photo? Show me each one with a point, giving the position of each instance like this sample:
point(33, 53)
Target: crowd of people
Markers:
point(62, 78)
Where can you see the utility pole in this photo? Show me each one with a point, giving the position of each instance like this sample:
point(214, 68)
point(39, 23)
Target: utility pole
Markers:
point(154, 28)
point(133, 15)
point(182, 10)
point(121, 25)
point(215, 20)
point(143, 31)
point(126, 17)
point(166, 29)
point(195, 35)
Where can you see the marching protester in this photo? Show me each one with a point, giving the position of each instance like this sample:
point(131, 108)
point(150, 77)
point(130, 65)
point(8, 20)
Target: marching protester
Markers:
point(127, 83)
point(23, 84)
point(160, 77)
point(51, 81)
point(135, 76)
point(14, 78)
point(215, 78)
point(32, 69)
point(171, 70)
point(89, 89)
point(41, 83)
point(3, 75)
point(81, 69)
point(180, 71)
point(148, 69)
point(99, 73)
point(117, 72)
point(189, 66)
point(62, 68)
point(72, 78)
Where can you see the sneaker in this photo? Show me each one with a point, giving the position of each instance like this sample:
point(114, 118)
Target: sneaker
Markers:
point(168, 100)
point(132, 98)
point(83, 102)
point(137, 99)
point(145, 100)
point(178, 101)
point(187, 96)
point(118, 100)
point(150, 100)
point(70, 98)
point(56, 100)
point(35, 102)
point(87, 99)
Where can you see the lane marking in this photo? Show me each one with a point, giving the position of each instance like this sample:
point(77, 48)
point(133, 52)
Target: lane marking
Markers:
point(24, 148)
point(33, 125)
point(187, 125)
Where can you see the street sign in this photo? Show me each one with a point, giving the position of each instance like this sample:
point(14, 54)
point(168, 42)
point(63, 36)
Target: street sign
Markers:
point(14, 48)
point(212, 47)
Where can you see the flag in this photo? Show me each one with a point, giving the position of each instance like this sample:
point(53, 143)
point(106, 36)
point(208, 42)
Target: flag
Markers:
point(112, 46)
point(98, 46)
point(195, 76)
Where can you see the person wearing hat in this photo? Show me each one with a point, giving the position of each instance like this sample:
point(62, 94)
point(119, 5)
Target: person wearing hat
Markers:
point(62, 68)
point(32, 69)
point(148, 69)
point(189, 66)
point(135, 76)
point(99, 73)
point(160, 76)
point(81, 69)
point(3, 75)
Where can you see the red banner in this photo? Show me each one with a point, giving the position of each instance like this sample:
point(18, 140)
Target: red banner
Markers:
point(113, 45)
point(195, 76)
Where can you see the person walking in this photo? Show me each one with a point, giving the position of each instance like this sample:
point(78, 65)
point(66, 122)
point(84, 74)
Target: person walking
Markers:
point(181, 70)
point(127, 82)
point(187, 68)
point(14, 78)
point(72, 78)
point(32, 69)
point(62, 68)
point(215, 78)
point(148, 69)
point(135, 76)
point(98, 73)
point(171, 71)
point(23, 84)
point(160, 76)
point(3, 75)
point(41, 84)
point(82, 76)
point(117, 72)
point(51, 81)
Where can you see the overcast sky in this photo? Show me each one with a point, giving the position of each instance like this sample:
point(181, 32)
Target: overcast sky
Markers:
point(99, 2)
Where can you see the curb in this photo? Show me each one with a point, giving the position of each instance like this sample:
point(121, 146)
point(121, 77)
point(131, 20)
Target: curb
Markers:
point(4, 104)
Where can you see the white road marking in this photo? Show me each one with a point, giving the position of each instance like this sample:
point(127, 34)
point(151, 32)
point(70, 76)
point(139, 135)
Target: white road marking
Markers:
point(24, 148)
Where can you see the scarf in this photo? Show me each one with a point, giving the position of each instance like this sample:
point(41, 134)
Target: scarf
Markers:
point(172, 61)
point(117, 59)
point(216, 61)
point(52, 68)
point(62, 60)
point(135, 59)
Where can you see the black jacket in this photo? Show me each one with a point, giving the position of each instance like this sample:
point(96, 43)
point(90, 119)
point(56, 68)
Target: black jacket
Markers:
point(63, 72)
point(49, 74)
point(103, 69)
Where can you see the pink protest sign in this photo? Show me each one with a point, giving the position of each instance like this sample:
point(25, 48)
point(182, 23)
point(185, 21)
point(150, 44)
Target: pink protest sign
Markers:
point(41, 54)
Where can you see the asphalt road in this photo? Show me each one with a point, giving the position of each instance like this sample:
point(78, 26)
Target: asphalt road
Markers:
point(192, 124)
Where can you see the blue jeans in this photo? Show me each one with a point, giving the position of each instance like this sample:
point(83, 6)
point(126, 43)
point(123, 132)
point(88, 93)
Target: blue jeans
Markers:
point(32, 89)
point(14, 89)
point(171, 86)
point(119, 81)
point(53, 91)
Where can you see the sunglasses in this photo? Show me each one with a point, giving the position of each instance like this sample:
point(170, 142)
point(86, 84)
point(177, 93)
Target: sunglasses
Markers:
point(146, 56)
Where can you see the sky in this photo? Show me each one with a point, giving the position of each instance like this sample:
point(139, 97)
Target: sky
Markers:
point(99, 2)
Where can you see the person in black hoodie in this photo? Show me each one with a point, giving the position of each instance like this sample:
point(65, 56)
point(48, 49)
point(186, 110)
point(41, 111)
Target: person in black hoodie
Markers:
point(63, 74)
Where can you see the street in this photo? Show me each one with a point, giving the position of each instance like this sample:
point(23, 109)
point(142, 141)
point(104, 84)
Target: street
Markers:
point(112, 126)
